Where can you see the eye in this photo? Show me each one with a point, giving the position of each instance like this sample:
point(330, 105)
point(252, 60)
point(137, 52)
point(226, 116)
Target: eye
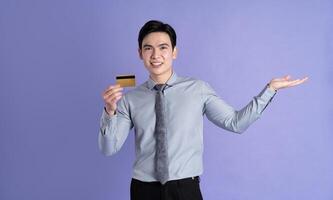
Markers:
point(164, 47)
point(147, 48)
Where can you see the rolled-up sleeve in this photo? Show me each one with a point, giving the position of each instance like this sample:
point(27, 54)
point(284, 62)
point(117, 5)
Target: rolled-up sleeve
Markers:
point(114, 129)
point(226, 117)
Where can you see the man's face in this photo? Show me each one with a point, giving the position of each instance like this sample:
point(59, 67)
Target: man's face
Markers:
point(157, 54)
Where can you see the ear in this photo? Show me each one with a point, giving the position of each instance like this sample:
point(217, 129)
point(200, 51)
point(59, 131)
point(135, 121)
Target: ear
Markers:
point(140, 53)
point(175, 53)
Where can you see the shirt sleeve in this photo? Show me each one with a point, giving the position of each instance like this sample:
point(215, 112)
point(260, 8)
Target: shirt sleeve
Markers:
point(226, 117)
point(114, 129)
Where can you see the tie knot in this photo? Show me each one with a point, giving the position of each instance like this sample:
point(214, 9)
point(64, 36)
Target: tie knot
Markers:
point(159, 87)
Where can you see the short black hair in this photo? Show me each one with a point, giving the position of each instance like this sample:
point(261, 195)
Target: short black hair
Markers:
point(157, 26)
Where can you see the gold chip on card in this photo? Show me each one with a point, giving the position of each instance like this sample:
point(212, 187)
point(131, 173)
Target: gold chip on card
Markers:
point(126, 80)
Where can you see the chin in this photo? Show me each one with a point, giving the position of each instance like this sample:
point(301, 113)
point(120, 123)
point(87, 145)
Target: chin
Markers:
point(157, 71)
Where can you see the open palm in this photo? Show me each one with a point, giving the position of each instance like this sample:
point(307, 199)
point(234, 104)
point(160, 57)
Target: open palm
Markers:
point(285, 82)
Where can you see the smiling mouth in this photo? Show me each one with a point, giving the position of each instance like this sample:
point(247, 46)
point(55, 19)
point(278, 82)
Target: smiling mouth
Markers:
point(156, 64)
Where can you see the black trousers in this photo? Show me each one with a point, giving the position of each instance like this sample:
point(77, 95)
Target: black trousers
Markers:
point(183, 189)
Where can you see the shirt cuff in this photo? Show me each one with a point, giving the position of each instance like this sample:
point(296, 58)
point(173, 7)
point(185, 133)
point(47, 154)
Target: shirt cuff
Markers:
point(107, 121)
point(267, 94)
point(106, 116)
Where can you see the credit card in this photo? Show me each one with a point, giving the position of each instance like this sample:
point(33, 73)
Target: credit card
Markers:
point(126, 80)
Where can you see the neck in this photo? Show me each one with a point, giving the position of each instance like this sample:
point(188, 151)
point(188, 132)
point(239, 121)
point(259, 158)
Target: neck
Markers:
point(162, 79)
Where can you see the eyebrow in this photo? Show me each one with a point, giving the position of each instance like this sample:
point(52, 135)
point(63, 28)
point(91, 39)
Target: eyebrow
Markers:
point(163, 44)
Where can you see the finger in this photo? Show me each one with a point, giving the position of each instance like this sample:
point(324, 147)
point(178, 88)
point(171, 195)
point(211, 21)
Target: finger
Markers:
point(113, 90)
point(293, 81)
point(296, 82)
point(113, 102)
point(115, 99)
point(112, 95)
point(285, 84)
point(287, 77)
point(305, 78)
point(302, 80)
point(111, 87)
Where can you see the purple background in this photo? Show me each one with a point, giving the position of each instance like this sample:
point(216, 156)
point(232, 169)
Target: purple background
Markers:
point(57, 57)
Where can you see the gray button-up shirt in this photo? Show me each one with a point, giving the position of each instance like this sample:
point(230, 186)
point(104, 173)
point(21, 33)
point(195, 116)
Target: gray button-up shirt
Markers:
point(188, 100)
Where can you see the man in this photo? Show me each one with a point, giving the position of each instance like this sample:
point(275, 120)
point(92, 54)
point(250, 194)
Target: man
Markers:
point(167, 115)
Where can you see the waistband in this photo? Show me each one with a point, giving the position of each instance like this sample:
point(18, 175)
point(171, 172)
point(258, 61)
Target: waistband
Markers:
point(194, 178)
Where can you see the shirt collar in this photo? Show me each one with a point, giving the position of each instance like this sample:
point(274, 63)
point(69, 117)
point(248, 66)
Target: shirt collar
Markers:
point(172, 80)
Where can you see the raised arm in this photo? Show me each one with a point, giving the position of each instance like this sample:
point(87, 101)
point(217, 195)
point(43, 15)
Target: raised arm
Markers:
point(225, 116)
point(115, 122)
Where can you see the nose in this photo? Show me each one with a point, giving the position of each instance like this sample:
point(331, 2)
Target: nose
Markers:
point(155, 54)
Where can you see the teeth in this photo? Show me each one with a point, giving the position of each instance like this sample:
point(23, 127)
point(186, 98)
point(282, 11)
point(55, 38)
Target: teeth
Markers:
point(156, 64)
